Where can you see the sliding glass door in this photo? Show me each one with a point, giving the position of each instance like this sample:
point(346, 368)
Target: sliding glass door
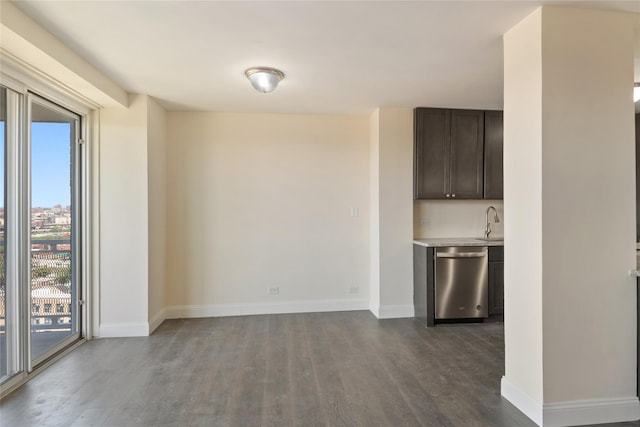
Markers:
point(40, 233)
point(4, 355)
point(54, 295)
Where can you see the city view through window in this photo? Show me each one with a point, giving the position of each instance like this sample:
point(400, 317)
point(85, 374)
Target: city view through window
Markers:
point(51, 268)
point(52, 307)
point(52, 304)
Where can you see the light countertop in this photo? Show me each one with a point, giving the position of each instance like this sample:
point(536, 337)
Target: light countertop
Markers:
point(478, 241)
point(458, 241)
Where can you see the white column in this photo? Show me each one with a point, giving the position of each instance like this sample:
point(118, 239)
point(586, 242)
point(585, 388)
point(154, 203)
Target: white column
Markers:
point(570, 307)
point(391, 212)
point(157, 198)
point(124, 220)
point(374, 275)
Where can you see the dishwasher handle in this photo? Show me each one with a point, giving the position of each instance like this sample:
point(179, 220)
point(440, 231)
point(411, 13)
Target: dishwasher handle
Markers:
point(461, 255)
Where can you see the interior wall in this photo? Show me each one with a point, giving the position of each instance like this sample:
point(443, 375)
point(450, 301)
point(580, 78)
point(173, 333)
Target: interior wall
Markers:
point(395, 165)
point(523, 209)
point(157, 190)
point(124, 220)
point(587, 117)
point(374, 138)
point(570, 305)
point(455, 218)
point(259, 202)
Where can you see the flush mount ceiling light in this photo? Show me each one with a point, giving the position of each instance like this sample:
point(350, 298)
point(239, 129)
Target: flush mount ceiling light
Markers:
point(636, 92)
point(264, 79)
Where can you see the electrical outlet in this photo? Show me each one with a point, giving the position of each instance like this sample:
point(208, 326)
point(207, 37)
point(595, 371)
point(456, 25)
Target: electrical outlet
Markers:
point(355, 212)
point(354, 289)
point(426, 222)
point(274, 291)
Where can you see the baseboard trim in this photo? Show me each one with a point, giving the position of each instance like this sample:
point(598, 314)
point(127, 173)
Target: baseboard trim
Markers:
point(224, 310)
point(521, 400)
point(593, 411)
point(157, 320)
point(121, 330)
point(375, 310)
point(394, 311)
point(581, 412)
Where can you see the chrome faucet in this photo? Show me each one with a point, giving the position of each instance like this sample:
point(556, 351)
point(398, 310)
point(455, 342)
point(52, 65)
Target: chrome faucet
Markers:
point(496, 219)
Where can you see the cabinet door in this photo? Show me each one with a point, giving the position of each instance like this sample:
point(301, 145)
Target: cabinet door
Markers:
point(493, 138)
point(467, 153)
point(496, 288)
point(431, 153)
point(420, 272)
point(423, 280)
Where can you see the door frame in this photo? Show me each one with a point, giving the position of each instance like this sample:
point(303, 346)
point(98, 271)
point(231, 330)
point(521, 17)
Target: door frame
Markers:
point(76, 223)
point(23, 80)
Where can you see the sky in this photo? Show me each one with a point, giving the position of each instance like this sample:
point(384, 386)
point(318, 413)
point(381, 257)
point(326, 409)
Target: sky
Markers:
point(50, 164)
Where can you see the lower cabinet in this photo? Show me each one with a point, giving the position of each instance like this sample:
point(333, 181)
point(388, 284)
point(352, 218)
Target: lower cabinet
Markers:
point(496, 280)
point(423, 279)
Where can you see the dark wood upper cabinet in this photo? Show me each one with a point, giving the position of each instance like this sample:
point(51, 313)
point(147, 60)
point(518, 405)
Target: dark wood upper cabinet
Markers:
point(467, 152)
point(431, 152)
point(449, 152)
point(493, 169)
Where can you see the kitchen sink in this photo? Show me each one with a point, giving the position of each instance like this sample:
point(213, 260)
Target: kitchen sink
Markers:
point(490, 239)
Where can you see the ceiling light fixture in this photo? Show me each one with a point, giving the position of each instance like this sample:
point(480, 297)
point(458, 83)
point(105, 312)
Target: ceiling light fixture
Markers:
point(264, 79)
point(636, 92)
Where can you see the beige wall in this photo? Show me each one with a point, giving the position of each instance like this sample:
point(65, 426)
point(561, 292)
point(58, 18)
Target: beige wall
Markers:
point(124, 220)
point(157, 190)
point(393, 148)
point(374, 236)
point(259, 201)
point(455, 218)
point(570, 306)
point(523, 205)
point(588, 163)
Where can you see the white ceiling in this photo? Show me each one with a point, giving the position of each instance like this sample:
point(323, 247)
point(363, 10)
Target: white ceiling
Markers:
point(339, 57)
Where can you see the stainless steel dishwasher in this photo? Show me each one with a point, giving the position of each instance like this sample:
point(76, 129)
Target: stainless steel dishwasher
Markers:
point(461, 282)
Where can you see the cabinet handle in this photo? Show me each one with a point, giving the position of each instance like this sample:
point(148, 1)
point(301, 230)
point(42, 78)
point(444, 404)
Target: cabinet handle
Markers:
point(461, 255)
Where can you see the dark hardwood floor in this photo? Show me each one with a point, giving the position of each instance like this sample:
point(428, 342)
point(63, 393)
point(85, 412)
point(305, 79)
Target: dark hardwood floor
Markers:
point(321, 369)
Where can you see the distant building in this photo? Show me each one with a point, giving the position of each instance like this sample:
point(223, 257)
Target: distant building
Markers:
point(62, 220)
point(50, 308)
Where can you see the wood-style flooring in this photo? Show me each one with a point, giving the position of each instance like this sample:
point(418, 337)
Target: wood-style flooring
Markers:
point(319, 369)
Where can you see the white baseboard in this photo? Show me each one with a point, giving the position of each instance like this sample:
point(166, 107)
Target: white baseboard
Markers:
point(157, 320)
point(393, 311)
point(120, 330)
point(375, 309)
point(521, 400)
point(583, 412)
point(593, 411)
point(223, 310)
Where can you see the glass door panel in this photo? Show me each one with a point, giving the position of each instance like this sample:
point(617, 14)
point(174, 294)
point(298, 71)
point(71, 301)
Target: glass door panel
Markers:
point(4, 352)
point(40, 185)
point(54, 296)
